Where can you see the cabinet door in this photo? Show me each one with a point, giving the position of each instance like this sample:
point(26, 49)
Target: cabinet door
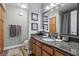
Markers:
point(74, 22)
point(0, 12)
point(59, 53)
point(0, 37)
point(33, 49)
point(45, 53)
point(38, 43)
point(38, 51)
point(33, 40)
point(47, 49)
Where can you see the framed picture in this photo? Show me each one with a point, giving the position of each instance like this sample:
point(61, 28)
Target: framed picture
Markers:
point(45, 19)
point(34, 26)
point(34, 17)
point(45, 26)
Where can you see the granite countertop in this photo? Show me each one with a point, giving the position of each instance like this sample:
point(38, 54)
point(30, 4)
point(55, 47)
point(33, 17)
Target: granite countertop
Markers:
point(69, 47)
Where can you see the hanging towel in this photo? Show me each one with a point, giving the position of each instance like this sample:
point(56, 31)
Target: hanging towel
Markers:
point(12, 30)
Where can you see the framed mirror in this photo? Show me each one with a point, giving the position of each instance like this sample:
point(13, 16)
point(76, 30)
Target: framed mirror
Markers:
point(45, 19)
point(34, 26)
point(45, 26)
point(34, 17)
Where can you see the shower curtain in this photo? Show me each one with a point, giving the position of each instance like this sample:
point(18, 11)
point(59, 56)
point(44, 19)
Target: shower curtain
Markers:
point(66, 23)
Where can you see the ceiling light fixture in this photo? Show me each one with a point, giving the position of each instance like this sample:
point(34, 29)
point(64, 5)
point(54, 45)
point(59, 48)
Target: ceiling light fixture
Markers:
point(52, 4)
point(47, 7)
point(23, 6)
point(52, 9)
point(57, 7)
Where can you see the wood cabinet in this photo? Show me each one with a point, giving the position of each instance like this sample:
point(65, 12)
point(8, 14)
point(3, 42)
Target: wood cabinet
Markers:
point(0, 12)
point(38, 51)
point(38, 48)
point(44, 53)
point(2, 15)
point(0, 35)
point(33, 49)
point(59, 53)
point(33, 40)
point(41, 49)
point(33, 46)
point(1, 30)
point(47, 49)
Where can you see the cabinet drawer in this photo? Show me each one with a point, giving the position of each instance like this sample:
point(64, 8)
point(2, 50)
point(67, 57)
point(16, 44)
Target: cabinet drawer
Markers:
point(33, 40)
point(38, 43)
point(44, 53)
point(47, 49)
point(59, 53)
point(0, 13)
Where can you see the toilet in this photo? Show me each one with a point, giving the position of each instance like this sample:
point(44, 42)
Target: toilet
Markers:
point(26, 44)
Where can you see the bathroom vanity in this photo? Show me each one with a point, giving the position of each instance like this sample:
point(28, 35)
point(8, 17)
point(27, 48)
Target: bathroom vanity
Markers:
point(42, 47)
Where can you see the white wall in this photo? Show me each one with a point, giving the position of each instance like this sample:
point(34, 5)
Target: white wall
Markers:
point(34, 8)
point(12, 18)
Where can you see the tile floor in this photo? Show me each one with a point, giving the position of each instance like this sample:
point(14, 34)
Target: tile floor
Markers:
point(19, 51)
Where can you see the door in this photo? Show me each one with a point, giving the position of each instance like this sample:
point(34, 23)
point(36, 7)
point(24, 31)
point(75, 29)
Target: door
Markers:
point(52, 24)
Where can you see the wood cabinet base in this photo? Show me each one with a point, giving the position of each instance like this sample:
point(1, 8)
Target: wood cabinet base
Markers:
point(41, 49)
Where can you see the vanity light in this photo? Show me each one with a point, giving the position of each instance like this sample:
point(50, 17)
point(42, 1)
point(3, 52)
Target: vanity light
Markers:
point(57, 7)
point(52, 4)
point(22, 5)
point(62, 4)
point(52, 9)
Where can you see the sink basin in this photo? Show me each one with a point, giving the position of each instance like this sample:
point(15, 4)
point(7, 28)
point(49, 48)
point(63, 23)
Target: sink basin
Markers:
point(45, 36)
point(58, 39)
point(48, 39)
